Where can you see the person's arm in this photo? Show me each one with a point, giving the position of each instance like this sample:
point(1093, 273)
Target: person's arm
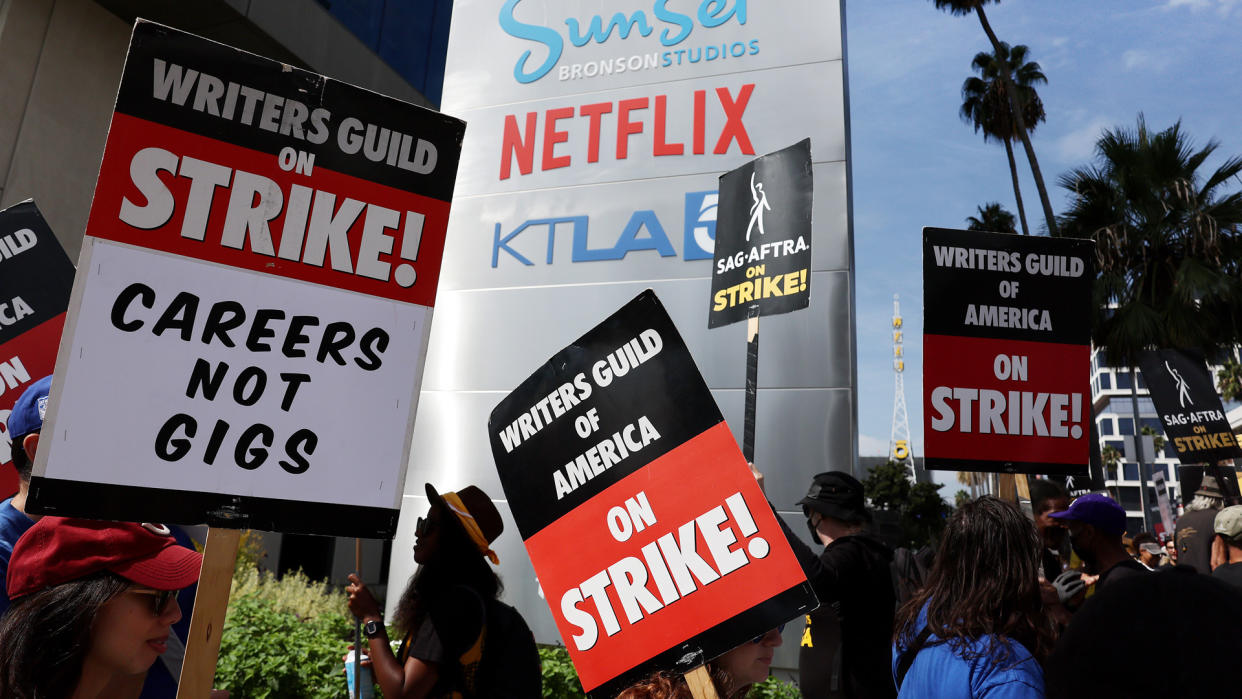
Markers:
point(415, 679)
point(1220, 555)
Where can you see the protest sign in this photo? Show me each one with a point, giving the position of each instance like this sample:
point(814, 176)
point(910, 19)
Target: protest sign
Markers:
point(35, 279)
point(1078, 483)
point(762, 257)
point(259, 270)
point(653, 544)
point(1190, 409)
point(1006, 347)
point(1162, 504)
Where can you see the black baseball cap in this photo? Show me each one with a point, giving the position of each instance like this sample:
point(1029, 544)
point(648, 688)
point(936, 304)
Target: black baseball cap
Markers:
point(835, 494)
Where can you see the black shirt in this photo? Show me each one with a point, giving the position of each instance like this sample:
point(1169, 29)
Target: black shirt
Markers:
point(847, 644)
point(1193, 539)
point(1124, 569)
point(1230, 573)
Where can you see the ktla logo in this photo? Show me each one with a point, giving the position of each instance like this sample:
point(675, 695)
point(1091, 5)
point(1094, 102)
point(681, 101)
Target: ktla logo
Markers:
point(643, 231)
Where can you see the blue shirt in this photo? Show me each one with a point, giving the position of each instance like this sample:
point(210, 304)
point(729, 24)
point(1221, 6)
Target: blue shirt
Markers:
point(943, 670)
point(13, 523)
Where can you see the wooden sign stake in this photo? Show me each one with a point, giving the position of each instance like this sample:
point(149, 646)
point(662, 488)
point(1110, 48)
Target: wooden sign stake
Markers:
point(210, 602)
point(358, 626)
point(752, 383)
point(700, 682)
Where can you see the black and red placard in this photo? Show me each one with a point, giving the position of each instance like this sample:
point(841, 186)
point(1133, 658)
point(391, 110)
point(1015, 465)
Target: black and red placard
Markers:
point(229, 157)
point(653, 544)
point(264, 248)
point(36, 278)
point(1006, 352)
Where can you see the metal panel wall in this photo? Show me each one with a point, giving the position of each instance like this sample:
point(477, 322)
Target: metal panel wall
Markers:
point(538, 255)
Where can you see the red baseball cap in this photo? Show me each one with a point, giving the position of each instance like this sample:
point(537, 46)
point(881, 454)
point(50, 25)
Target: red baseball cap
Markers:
point(60, 549)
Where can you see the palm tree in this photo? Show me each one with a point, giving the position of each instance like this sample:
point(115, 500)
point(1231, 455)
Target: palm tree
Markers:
point(1168, 244)
point(992, 217)
point(965, 7)
point(985, 104)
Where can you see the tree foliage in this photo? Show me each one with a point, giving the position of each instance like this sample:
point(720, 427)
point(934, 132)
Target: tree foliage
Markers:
point(987, 107)
point(1229, 380)
point(1167, 242)
point(966, 7)
point(992, 217)
point(922, 512)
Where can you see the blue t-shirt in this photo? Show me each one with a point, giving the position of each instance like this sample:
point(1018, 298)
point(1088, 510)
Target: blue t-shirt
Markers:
point(943, 671)
point(13, 523)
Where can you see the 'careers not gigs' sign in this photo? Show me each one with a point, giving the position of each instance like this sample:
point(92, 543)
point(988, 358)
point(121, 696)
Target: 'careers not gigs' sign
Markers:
point(260, 265)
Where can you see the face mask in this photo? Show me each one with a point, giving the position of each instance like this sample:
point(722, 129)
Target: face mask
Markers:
point(1080, 548)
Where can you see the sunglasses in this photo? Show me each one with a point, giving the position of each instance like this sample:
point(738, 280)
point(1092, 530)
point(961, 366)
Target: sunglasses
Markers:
point(162, 598)
point(759, 638)
point(424, 526)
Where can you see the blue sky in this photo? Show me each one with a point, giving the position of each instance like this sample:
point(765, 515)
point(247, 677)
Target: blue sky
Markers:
point(915, 163)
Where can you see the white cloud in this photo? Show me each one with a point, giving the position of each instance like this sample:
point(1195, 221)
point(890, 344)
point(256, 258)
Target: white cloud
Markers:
point(1223, 7)
point(871, 446)
point(1147, 61)
point(1078, 146)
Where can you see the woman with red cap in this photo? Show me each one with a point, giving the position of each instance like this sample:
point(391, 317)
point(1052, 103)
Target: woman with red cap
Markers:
point(459, 639)
point(93, 603)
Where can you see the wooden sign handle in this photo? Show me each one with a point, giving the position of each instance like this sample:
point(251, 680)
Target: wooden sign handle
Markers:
point(752, 384)
point(700, 682)
point(210, 602)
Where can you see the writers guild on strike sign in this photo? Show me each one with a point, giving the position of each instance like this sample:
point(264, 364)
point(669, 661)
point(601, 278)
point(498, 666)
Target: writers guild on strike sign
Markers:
point(672, 563)
point(616, 442)
point(1006, 351)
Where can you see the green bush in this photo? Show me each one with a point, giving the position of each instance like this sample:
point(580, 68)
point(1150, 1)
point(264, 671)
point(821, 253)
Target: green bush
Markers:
point(283, 639)
point(560, 680)
point(773, 688)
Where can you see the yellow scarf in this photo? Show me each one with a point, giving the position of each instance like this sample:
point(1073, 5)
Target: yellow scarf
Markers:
point(472, 527)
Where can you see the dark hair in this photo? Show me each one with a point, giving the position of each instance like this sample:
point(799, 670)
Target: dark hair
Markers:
point(455, 562)
point(45, 636)
point(21, 460)
point(1043, 490)
point(666, 685)
point(1142, 538)
point(984, 583)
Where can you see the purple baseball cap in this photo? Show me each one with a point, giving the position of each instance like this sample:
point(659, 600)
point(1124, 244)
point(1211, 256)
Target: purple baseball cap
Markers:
point(1100, 511)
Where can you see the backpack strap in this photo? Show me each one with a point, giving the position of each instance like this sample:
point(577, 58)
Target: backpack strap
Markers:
point(906, 659)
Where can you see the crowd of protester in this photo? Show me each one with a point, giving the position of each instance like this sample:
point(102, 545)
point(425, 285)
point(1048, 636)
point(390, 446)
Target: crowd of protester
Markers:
point(1055, 602)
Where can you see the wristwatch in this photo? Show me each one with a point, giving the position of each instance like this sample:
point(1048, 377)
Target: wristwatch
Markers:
point(372, 628)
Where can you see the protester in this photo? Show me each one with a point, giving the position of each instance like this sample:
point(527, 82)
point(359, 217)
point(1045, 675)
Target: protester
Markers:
point(1146, 550)
point(844, 651)
point(1194, 528)
point(1096, 524)
point(1047, 497)
point(1170, 551)
point(1194, 621)
point(978, 628)
point(458, 637)
point(93, 603)
point(1227, 546)
point(732, 674)
point(24, 424)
